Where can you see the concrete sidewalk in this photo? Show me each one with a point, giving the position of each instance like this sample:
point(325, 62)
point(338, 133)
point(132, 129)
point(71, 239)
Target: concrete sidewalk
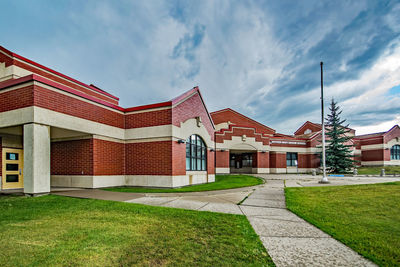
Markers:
point(224, 201)
point(289, 240)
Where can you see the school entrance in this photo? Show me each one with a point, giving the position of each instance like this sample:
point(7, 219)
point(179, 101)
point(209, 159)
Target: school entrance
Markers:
point(241, 161)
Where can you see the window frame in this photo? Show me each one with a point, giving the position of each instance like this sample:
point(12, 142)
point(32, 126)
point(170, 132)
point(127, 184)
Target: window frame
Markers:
point(196, 153)
point(292, 159)
point(395, 152)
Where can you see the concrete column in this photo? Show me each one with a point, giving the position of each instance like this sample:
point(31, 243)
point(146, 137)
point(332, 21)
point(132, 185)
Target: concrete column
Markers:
point(36, 159)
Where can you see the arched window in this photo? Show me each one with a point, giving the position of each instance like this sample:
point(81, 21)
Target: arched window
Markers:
point(395, 152)
point(196, 154)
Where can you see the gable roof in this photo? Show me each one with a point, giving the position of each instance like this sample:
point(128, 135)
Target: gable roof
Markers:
point(379, 134)
point(363, 136)
point(316, 126)
point(188, 94)
point(91, 87)
point(310, 124)
point(235, 113)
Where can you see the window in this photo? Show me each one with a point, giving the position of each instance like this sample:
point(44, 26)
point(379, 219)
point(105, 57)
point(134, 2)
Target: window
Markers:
point(12, 156)
point(291, 159)
point(196, 154)
point(395, 152)
point(247, 160)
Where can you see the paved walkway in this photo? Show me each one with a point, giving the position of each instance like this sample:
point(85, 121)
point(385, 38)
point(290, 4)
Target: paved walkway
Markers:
point(289, 240)
point(224, 201)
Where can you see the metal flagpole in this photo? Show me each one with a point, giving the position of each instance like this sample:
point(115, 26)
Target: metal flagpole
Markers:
point(324, 177)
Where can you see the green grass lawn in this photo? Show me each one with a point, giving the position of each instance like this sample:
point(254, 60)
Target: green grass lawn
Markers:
point(364, 217)
point(221, 182)
point(377, 170)
point(62, 231)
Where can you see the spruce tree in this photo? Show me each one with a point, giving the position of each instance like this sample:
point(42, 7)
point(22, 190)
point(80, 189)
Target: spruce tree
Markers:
point(338, 154)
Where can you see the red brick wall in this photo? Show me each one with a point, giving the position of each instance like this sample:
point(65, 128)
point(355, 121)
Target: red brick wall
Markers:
point(357, 143)
point(249, 132)
point(147, 119)
point(6, 59)
point(191, 108)
point(229, 115)
point(263, 160)
point(393, 134)
point(314, 142)
point(71, 106)
point(210, 162)
point(72, 157)
point(108, 157)
point(277, 160)
point(315, 161)
point(303, 160)
point(308, 160)
point(308, 125)
point(150, 158)
point(372, 141)
point(15, 99)
point(372, 155)
point(178, 158)
point(222, 159)
point(386, 155)
point(254, 159)
point(67, 83)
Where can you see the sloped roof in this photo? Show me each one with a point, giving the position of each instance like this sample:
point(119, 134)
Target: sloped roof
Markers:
point(241, 115)
point(364, 136)
point(91, 87)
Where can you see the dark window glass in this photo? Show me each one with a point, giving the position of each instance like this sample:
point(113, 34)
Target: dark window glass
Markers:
point(247, 160)
point(193, 164)
point(395, 152)
point(196, 154)
point(187, 151)
point(12, 156)
point(11, 167)
point(12, 178)
point(232, 162)
point(193, 151)
point(291, 159)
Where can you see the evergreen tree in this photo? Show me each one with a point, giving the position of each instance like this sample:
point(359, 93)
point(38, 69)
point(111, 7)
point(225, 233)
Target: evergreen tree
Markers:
point(338, 154)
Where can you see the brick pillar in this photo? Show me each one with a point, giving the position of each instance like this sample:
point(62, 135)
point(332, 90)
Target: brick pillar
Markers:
point(262, 162)
point(222, 162)
point(277, 162)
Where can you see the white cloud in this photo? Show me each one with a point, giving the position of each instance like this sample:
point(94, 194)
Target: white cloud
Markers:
point(362, 99)
point(376, 128)
point(257, 58)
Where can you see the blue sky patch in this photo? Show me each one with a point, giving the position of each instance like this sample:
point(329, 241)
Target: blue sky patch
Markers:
point(258, 57)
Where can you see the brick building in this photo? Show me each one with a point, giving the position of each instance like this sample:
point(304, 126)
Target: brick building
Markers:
point(57, 131)
point(379, 149)
point(247, 146)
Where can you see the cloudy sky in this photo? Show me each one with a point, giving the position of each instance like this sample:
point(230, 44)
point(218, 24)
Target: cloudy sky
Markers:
point(260, 58)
